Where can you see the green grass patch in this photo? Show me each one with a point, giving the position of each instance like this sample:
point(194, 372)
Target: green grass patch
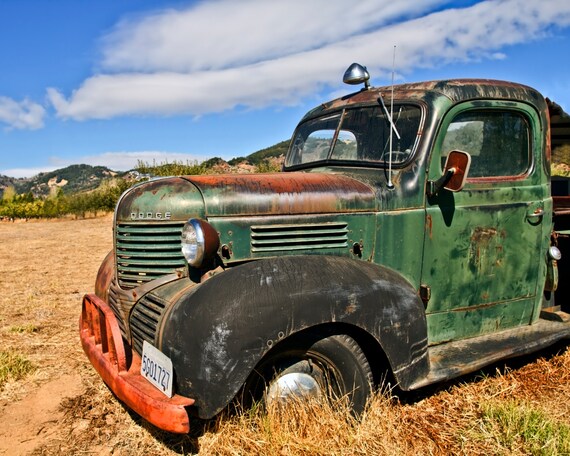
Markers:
point(25, 329)
point(13, 367)
point(517, 427)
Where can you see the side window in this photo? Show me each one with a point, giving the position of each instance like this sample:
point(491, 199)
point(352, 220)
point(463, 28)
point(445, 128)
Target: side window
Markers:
point(498, 142)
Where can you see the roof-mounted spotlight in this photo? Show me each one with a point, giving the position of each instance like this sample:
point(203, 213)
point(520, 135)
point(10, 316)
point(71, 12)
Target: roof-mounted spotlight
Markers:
point(357, 74)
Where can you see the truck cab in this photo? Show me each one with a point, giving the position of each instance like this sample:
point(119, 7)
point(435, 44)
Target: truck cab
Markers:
point(409, 237)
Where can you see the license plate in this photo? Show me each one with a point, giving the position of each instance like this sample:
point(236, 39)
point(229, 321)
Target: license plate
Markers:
point(156, 367)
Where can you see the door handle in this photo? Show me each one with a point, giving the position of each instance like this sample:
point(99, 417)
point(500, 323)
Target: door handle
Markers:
point(536, 215)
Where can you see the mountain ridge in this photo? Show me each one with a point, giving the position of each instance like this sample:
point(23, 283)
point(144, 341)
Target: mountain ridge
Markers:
point(82, 177)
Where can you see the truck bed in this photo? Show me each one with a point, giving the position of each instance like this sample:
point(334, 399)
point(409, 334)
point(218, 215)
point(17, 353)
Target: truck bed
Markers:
point(561, 206)
point(561, 201)
point(561, 213)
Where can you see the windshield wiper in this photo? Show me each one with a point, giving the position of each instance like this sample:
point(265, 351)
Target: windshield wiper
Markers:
point(389, 117)
point(392, 129)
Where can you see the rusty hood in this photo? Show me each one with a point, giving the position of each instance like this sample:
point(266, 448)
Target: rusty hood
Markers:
point(282, 194)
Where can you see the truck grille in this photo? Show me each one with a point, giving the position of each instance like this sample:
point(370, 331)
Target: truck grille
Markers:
point(147, 251)
point(144, 320)
point(299, 237)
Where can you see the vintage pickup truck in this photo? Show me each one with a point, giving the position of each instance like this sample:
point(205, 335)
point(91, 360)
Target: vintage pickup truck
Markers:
point(412, 236)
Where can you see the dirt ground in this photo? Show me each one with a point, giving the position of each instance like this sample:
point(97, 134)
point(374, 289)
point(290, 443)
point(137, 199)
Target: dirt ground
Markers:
point(45, 268)
point(62, 406)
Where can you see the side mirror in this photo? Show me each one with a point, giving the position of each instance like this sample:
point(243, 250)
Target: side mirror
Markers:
point(356, 74)
point(454, 173)
point(458, 162)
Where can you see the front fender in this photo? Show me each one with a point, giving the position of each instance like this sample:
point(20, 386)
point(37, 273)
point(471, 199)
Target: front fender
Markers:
point(217, 332)
point(105, 276)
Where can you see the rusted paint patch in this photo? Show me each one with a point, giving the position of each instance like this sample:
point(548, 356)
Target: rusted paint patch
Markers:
point(279, 182)
point(486, 250)
point(456, 90)
point(429, 225)
point(483, 235)
point(283, 193)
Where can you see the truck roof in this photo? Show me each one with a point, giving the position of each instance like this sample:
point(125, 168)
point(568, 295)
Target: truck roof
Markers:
point(454, 89)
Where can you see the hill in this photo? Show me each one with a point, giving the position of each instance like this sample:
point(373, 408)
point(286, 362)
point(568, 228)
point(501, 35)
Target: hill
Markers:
point(275, 151)
point(16, 183)
point(72, 179)
point(79, 178)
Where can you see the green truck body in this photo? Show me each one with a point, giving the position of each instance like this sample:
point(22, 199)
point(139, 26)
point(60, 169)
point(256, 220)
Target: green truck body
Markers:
point(410, 234)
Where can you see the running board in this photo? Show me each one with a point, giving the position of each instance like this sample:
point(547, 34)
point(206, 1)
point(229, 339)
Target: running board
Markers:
point(454, 359)
point(554, 314)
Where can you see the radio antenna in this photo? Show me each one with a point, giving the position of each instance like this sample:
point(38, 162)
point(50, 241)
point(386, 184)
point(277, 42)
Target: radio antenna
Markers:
point(392, 126)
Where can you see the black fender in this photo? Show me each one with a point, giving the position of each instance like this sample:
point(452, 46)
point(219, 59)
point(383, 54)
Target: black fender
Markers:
point(218, 331)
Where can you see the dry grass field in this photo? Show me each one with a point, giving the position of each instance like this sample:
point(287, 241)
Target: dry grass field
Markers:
point(52, 402)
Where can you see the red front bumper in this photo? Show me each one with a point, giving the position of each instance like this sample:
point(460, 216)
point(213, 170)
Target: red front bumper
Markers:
point(120, 369)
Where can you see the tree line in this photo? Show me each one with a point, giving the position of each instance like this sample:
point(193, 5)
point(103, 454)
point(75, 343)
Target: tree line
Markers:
point(59, 204)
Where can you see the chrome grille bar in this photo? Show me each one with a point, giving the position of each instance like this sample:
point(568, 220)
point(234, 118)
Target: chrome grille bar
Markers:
point(299, 237)
point(147, 251)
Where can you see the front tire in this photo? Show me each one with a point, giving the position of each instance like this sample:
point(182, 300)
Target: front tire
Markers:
point(315, 368)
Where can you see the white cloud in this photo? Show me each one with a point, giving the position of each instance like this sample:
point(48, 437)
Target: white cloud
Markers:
point(223, 54)
point(223, 34)
point(21, 115)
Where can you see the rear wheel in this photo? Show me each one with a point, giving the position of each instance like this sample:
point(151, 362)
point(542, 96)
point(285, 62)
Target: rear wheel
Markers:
point(333, 365)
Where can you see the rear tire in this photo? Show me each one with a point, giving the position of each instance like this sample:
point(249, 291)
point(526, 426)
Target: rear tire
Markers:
point(333, 365)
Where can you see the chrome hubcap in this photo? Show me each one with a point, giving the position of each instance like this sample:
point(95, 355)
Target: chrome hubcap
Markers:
point(293, 385)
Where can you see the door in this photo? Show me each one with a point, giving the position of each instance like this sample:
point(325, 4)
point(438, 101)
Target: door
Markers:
point(483, 245)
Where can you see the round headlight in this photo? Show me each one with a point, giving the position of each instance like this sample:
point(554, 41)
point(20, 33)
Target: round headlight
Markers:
point(200, 242)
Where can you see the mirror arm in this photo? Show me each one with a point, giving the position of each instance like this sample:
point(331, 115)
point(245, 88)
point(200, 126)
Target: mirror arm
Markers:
point(434, 187)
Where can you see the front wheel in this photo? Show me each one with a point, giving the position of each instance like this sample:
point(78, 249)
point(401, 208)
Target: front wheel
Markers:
point(333, 365)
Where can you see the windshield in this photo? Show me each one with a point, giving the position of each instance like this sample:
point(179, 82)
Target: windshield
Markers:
point(356, 135)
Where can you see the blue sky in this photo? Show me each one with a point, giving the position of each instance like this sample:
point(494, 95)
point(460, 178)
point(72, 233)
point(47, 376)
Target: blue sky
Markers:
point(110, 82)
